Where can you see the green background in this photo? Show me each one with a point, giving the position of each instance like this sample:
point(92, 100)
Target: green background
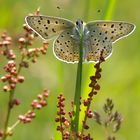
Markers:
point(120, 77)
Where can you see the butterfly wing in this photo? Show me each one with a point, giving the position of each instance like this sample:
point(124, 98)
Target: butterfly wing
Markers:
point(101, 35)
point(66, 46)
point(47, 26)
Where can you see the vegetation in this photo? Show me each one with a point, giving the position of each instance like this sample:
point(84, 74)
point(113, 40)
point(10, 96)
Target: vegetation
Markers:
point(25, 60)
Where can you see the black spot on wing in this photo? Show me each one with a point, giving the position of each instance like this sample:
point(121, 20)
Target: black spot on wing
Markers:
point(48, 21)
point(41, 18)
point(112, 25)
point(120, 24)
point(111, 37)
point(46, 34)
point(53, 30)
point(39, 22)
point(56, 22)
point(121, 27)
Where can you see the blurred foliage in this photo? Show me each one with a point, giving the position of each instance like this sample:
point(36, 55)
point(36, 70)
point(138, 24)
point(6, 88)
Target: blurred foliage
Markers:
point(120, 77)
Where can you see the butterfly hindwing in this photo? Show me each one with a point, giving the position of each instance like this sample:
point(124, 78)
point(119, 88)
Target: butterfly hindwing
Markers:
point(94, 46)
point(66, 47)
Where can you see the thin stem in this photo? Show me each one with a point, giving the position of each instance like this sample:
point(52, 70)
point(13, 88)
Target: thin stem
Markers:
point(61, 124)
point(109, 9)
point(75, 119)
point(85, 117)
point(15, 124)
point(86, 11)
point(11, 96)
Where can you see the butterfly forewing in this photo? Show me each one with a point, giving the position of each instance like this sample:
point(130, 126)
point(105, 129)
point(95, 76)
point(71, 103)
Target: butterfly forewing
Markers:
point(112, 30)
point(66, 47)
point(102, 34)
point(47, 26)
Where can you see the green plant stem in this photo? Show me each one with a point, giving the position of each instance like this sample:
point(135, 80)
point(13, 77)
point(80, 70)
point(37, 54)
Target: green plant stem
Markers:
point(11, 96)
point(75, 119)
point(86, 10)
point(109, 9)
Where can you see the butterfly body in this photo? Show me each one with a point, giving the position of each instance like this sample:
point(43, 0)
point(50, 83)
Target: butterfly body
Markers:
point(98, 36)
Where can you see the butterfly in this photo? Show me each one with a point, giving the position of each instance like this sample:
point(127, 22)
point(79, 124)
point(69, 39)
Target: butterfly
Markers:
point(98, 36)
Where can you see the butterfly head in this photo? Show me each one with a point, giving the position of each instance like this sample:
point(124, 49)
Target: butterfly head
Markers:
point(79, 26)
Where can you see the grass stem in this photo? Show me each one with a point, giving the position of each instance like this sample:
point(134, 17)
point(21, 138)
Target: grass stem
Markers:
point(76, 113)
